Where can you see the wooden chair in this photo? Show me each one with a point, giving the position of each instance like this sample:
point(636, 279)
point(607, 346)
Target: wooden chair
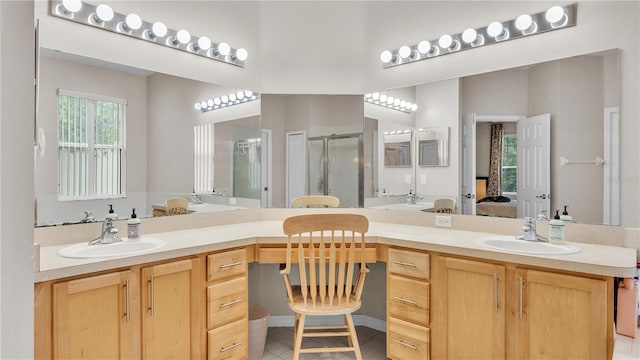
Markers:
point(446, 206)
point(329, 281)
point(176, 206)
point(316, 201)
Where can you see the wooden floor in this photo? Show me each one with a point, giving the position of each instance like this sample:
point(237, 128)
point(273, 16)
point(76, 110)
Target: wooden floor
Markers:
point(372, 345)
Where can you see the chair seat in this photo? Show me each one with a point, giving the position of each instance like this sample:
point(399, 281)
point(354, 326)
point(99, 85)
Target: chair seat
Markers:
point(309, 308)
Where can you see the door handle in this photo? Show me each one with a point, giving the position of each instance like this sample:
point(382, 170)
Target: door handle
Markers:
point(543, 196)
point(469, 196)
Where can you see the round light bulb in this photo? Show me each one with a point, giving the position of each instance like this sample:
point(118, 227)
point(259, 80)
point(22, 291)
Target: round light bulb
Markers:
point(210, 102)
point(104, 12)
point(248, 93)
point(414, 107)
point(197, 106)
point(383, 98)
point(183, 37)
point(375, 96)
point(72, 5)
point(390, 100)
point(232, 97)
point(424, 46)
point(240, 95)
point(224, 49)
point(396, 102)
point(494, 29)
point(217, 101)
point(469, 36)
point(204, 43)
point(225, 99)
point(408, 105)
point(367, 96)
point(386, 56)
point(445, 41)
point(523, 22)
point(159, 29)
point(241, 54)
point(203, 104)
point(403, 103)
point(554, 14)
point(404, 51)
point(133, 21)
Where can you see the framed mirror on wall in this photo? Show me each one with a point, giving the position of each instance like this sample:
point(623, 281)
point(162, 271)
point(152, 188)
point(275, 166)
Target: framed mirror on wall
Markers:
point(433, 146)
point(397, 148)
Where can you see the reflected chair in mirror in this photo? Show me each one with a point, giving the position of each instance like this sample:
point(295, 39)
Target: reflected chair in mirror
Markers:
point(176, 206)
point(331, 281)
point(326, 201)
point(444, 206)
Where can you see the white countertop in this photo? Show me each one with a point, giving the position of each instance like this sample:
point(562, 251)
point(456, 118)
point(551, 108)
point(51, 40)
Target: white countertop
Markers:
point(593, 259)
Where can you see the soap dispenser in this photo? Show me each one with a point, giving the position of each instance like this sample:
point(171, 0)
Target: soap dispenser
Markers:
point(556, 230)
point(565, 215)
point(133, 226)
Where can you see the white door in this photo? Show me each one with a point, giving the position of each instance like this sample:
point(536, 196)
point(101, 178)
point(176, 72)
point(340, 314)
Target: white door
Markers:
point(534, 187)
point(266, 168)
point(468, 161)
point(296, 166)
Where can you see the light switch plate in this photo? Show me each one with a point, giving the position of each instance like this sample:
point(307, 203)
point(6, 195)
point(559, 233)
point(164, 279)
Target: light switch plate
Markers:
point(423, 179)
point(232, 201)
point(443, 221)
point(407, 179)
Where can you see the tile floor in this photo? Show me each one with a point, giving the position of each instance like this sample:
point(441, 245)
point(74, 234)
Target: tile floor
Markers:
point(372, 345)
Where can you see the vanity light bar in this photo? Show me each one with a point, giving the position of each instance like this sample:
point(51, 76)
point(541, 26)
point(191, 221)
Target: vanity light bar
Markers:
point(390, 102)
point(557, 17)
point(103, 17)
point(240, 97)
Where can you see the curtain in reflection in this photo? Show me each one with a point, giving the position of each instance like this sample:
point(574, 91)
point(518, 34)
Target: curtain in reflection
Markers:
point(494, 187)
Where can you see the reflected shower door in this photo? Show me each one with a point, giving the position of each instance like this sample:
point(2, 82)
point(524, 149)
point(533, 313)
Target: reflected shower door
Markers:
point(335, 168)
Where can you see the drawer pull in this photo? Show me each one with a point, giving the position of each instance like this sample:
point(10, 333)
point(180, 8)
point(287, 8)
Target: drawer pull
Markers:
point(408, 301)
point(410, 346)
point(224, 266)
point(402, 263)
point(230, 303)
point(224, 349)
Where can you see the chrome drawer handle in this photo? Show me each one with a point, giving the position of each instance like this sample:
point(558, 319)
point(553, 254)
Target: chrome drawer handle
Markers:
point(408, 301)
point(410, 346)
point(224, 266)
point(402, 263)
point(230, 303)
point(223, 349)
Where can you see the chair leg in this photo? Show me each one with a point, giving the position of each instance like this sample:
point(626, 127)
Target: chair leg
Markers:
point(297, 345)
point(353, 337)
point(295, 329)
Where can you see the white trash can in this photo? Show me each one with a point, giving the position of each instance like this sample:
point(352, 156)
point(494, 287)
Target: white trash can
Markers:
point(258, 326)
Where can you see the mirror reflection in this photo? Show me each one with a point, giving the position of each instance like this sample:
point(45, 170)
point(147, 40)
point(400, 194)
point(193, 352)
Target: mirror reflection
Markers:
point(433, 146)
point(397, 148)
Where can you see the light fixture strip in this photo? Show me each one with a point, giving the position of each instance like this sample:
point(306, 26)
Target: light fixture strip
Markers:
point(87, 15)
point(510, 32)
point(225, 101)
point(390, 102)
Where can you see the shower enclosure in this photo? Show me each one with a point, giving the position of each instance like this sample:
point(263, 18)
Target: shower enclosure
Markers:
point(335, 167)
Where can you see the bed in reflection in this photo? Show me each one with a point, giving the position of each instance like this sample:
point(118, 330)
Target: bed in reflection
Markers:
point(499, 206)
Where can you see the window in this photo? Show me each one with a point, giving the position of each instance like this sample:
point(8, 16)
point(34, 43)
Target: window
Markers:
point(509, 164)
point(203, 158)
point(91, 152)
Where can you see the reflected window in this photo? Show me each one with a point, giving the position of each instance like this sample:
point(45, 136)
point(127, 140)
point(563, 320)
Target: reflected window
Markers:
point(91, 151)
point(509, 164)
point(203, 158)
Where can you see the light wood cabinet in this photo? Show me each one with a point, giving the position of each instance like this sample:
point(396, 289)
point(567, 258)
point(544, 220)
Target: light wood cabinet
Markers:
point(96, 317)
point(559, 316)
point(468, 309)
point(408, 304)
point(227, 305)
point(172, 310)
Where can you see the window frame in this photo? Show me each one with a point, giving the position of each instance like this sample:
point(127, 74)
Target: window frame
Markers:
point(503, 167)
point(91, 147)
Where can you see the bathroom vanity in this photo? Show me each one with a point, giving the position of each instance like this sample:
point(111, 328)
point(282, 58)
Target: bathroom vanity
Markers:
point(447, 295)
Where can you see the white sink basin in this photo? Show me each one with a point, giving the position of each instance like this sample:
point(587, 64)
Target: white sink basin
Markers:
point(511, 244)
point(122, 248)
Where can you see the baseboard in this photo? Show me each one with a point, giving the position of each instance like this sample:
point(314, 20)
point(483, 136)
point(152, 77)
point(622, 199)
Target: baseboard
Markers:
point(358, 320)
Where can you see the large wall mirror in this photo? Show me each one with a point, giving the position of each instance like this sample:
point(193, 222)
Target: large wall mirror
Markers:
point(433, 146)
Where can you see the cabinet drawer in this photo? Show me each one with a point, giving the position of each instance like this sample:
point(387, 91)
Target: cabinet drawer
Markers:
point(226, 302)
point(409, 263)
point(229, 341)
point(406, 340)
point(225, 264)
point(409, 299)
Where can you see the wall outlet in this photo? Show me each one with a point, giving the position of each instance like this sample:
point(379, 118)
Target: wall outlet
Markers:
point(232, 201)
point(423, 179)
point(443, 221)
point(407, 179)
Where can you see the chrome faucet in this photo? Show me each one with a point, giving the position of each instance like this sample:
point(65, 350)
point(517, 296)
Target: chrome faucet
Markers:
point(412, 198)
point(530, 233)
point(195, 198)
point(108, 233)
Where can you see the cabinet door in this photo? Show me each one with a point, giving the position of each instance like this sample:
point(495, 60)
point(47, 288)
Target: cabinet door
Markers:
point(469, 310)
point(172, 309)
point(94, 317)
point(560, 316)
